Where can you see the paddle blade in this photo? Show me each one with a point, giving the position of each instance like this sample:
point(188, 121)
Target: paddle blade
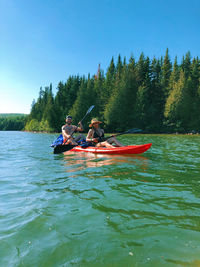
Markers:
point(134, 130)
point(90, 109)
point(62, 148)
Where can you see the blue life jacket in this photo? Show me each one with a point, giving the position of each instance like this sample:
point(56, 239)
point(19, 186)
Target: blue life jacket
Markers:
point(58, 141)
point(81, 142)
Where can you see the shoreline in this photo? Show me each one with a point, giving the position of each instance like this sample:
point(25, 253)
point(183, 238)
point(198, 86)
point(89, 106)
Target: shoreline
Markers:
point(46, 132)
point(176, 133)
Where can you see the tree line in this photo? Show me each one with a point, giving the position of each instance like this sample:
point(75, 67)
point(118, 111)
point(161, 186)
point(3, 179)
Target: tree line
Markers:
point(155, 95)
point(12, 122)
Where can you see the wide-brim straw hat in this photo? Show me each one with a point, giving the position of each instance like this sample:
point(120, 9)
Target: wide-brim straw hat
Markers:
point(94, 121)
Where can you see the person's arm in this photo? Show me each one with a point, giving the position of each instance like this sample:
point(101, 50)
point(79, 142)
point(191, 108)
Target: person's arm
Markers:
point(90, 138)
point(80, 128)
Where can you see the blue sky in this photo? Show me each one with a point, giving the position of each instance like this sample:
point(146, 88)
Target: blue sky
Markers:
point(46, 41)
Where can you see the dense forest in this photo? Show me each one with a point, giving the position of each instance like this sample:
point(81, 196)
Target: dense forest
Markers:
point(155, 95)
point(12, 121)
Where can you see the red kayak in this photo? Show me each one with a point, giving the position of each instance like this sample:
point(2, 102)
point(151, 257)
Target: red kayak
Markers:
point(137, 149)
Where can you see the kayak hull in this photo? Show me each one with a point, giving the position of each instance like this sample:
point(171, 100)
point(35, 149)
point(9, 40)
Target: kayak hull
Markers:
point(137, 149)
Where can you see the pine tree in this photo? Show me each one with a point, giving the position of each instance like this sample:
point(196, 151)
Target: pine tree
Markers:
point(186, 64)
point(72, 91)
point(166, 73)
point(174, 74)
point(178, 106)
point(141, 70)
point(86, 97)
point(49, 115)
point(99, 92)
point(77, 110)
point(156, 98)
point(119, 112)
point(119, 68)
point(109, 83)
point(194, 86)
point(143, 98)
point(60, 103)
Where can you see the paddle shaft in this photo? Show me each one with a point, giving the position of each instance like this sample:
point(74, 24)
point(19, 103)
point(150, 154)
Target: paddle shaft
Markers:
point(135, 130)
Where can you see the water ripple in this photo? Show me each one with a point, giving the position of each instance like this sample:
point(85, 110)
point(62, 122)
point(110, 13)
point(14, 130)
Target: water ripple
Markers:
point(81, 209)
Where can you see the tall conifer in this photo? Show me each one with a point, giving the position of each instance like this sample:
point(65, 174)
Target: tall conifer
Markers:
point(166, 73)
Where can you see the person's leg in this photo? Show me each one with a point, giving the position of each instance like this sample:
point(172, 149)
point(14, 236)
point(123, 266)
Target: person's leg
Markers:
point(114, 140)
point(70, 142)
point(73, 143)
point(79, 137)
point(104, 144)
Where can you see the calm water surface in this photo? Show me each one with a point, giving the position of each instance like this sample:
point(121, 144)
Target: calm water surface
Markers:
point(81, 209)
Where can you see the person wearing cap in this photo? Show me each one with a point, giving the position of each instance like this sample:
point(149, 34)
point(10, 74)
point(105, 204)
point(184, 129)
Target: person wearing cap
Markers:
point(96, 136)
point(68, 130)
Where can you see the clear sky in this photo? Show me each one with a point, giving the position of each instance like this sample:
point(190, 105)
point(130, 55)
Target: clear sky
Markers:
point(44, 41)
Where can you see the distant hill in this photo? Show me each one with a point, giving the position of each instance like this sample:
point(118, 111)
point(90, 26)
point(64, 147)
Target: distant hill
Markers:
point(12, 114)
point(12, 121)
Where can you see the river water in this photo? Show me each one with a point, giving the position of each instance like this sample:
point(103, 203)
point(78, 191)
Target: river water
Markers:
point(81, 209)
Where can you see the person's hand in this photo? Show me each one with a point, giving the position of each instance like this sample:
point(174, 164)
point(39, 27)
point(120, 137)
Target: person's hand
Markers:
point(95, 140)
point(80, 125)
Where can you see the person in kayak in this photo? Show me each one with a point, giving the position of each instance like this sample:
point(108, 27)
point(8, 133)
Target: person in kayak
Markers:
point(96, 136)
point(68, 130)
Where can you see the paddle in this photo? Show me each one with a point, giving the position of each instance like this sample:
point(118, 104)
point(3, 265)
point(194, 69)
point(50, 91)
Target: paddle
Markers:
point(130, 131)
point(89, 110)
point(63, 148)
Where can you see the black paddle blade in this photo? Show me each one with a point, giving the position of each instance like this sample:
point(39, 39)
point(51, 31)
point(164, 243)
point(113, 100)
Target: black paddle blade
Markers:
point(62, 148)
point(130, 131)
point(134, 130)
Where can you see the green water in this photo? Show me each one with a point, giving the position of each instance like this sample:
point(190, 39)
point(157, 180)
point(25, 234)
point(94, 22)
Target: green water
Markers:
point(81, 209)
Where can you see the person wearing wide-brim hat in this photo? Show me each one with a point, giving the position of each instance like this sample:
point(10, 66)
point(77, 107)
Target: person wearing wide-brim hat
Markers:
point(96, 136)
point(94, 121)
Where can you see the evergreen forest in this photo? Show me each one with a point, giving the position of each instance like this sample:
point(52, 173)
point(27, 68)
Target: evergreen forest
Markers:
point(12, 121)
point(156, 95)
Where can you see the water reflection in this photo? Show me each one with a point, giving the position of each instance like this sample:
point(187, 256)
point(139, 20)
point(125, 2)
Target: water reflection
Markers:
point(82, 160)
